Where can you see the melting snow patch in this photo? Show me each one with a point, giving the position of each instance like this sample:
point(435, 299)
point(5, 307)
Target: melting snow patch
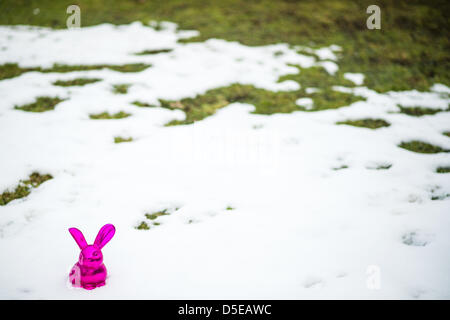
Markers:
point(356, 78)
point(307, 103)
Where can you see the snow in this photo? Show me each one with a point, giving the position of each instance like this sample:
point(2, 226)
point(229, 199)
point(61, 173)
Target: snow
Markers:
point(356, 78)
point(305, 102)
point(311, 90)
point(329, 66)
point(325, 54)
point(299, 229)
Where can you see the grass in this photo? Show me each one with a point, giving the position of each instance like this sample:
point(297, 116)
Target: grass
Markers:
point(143, 104)
point(106, 115)
point(418, 111)
point(143, 226)
point(317, 77)
point(229, 208)
point(443, 170)
point(265, 101)
point(421, 147)
point(366, 123)
point(397, 57)
point(41, 104)
point(121, 88)
point(340, 167)
point(24, 188)
point(11, 70)
point(75, 82)
point(384, 167)
point(153, 216)
point(121, 140)
point(446, 133)
point(149, 52)
point(440, 197)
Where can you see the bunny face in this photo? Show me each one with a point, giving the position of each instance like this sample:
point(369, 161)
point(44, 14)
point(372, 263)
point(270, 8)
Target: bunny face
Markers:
point(91, 256)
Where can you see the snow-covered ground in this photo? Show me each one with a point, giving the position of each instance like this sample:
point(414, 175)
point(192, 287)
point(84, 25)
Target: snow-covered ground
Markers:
point(299, 229)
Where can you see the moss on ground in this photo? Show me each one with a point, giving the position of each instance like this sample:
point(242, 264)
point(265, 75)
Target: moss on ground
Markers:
point(75, 82)
point(143, 226)
point(121, 139)
point(106, 115)
point(366, 123)
point(383, 167)
point(397, 57)
point(440, 196)
point(11, 70)
point(340, 167)
point(41, 104)
point(121, 88)
point(443, 170)
point(150, 52)
point(265, 101)
point(24, 187)
point(154, 215)
point(143, 104)
point(418, 111)
point(317, 77)
point(421, 147)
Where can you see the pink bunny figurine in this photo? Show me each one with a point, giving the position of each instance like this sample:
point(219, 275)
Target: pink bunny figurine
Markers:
point(90, 272)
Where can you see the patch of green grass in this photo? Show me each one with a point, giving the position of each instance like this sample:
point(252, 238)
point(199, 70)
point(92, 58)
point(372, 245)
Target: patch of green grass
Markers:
point(106, 115)
point(340, 167)
point(121, 88)
point(326, 97)
point(317, 77)
point(447, 133)
point(143, 104)
point(24, 187)
point(153, 216)
point(229, 208)
point(36, 179)
point(41, 104)
point(75, 82)
point(383, 167)
point(440, 197)
point(132, 67)
point(418, 111)
point(62, 68)
point(149, 52)
point(443, 170)
point(397, 57)
point(421, 147)
point(366, 123)
point(120, 139)
point(143, 226)
point(265, 101)
point(331, 99)
point(11, 70)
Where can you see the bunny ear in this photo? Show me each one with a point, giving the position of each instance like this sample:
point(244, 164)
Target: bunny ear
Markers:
point(79, 238)
point(104, 235)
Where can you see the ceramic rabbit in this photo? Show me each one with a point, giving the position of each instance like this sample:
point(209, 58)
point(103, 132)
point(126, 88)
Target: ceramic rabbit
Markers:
point(90, 272)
